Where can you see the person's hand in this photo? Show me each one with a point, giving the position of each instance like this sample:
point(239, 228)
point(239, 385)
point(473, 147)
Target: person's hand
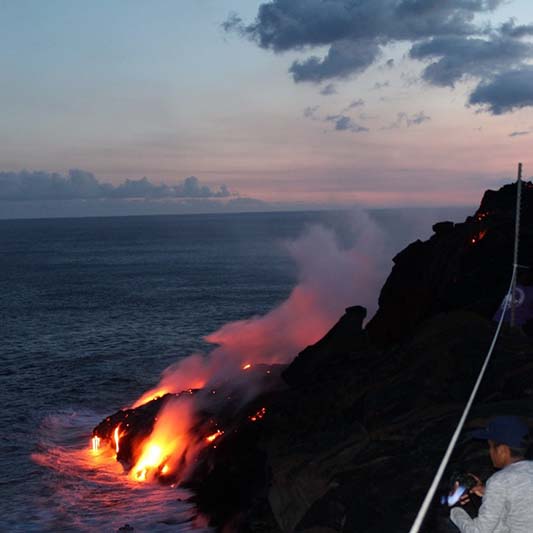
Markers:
point(464, 499)
point(479, 488)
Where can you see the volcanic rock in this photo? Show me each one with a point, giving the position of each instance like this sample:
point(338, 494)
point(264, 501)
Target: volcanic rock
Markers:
point(135, 425)
point(354, 441)
point(465, 267)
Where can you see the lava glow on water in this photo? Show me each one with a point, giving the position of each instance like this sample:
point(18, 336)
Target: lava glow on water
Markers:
point(87, 490)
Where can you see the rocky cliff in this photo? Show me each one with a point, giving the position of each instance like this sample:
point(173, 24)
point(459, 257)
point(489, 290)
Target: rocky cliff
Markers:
point(353, 441)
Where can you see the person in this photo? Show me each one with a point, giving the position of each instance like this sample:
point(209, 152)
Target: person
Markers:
point(507, 505)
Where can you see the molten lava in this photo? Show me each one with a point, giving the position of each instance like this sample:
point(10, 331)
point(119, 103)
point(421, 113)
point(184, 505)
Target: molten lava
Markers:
point(247, 366)
point(476, 238)
point(149, 396)
point(259, 415)
point(116, 438)
point(150, 460)
point(214, 436)
point(95, 443)
point(166, 449)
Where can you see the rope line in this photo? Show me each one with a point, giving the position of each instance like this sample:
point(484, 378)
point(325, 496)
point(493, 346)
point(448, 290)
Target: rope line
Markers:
point(438, 476)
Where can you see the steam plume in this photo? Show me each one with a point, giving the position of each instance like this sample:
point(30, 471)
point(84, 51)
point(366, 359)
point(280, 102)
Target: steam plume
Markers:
point(330, 278)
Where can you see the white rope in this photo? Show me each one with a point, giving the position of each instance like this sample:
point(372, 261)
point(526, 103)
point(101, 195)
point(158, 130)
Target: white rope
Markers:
point(438, 476)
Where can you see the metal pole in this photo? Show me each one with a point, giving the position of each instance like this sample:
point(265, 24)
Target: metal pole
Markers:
point(516, 239)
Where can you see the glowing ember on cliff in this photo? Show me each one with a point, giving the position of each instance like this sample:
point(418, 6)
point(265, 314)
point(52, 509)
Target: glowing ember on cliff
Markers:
point(478, 237)
point(259, 415)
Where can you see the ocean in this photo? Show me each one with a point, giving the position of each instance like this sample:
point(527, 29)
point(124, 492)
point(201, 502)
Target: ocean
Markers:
point(94, 309)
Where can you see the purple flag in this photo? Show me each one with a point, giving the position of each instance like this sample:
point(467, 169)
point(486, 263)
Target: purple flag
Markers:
point(523, 298)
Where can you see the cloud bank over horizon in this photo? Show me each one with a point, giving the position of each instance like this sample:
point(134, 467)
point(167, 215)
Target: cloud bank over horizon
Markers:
point(447, 36)
point(81, 184)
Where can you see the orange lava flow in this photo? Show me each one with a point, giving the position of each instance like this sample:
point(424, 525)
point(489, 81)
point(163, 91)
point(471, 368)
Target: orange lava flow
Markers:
point(95, 443)
point(162, 452)
point(149, 396)
point(214, 436)
point(116, 438)
point(247, 366)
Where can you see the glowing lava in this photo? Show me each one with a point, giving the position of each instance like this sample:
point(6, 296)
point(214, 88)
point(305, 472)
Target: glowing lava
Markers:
point(247, 366)
point(151, 459)
point(116, 438)
point(95, 443)
point(214, 436)
point(478, 237)
point(259, 415)
point(170, 445)
point(149, 396)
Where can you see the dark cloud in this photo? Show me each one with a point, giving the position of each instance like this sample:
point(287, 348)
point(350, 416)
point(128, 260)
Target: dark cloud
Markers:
point(403, 119)
point(510, 29)
point(506, 91)
point(443, 32)
point(341, 121)
point(343, 59)
point(311, 112)
point(355, 103)
point(381, 85)
point(461, 57)
point(345, 123)
point(366, 116)
point(328, 89)
point(355, 30)
point(80, 184)
point(390, 63)
point(518, 133)
point(44, 185)
point(283, 25)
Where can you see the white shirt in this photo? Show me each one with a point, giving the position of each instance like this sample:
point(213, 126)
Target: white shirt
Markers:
point(507, 504)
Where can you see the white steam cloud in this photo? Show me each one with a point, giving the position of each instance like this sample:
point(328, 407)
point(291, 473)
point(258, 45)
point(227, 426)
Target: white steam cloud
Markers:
point(331, 277)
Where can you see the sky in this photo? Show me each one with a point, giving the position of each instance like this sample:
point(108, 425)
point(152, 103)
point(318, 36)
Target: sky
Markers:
point(128, 106)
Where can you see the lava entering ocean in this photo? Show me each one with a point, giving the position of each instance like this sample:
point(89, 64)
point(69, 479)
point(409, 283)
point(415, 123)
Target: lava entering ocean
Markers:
point(201, 398)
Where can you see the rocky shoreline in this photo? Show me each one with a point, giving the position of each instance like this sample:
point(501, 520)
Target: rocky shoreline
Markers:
point(353, 441)
point(352, 431)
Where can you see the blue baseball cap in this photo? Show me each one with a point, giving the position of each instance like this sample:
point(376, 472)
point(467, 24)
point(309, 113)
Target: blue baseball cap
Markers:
point(510, 430)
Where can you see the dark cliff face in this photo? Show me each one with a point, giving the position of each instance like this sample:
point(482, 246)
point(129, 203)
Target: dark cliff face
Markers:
point(463, 266)
point(355, 428)
point(353, 443)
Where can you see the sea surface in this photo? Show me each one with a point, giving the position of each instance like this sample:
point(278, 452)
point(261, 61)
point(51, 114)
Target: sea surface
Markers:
point(92, 310)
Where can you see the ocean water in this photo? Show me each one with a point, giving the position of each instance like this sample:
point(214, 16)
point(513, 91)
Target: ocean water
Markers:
point(93, 310)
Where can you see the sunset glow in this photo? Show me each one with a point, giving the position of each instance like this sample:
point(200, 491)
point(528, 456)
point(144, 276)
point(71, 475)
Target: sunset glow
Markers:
point(395, 126)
